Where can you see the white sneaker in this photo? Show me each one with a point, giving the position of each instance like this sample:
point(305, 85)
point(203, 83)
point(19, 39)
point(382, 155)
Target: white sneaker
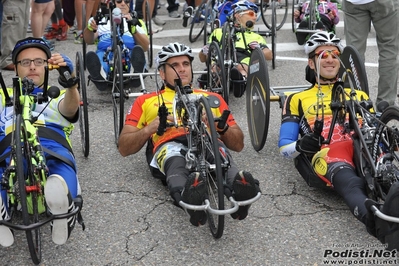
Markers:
point(158, 21)
point(6, 235)
point(59, 201)
point(155, 28)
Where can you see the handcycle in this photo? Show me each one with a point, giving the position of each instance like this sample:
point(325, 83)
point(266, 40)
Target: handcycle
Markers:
point(204, 154)
point(270, 16)
point(375, 135)
point(118, 59)
point(25, 176)
point(204, 15)
point(313, 16)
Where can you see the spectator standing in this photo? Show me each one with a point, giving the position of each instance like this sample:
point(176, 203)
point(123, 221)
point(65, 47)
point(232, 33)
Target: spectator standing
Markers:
point(359, 14)
point(41, 11)
point(59, 28)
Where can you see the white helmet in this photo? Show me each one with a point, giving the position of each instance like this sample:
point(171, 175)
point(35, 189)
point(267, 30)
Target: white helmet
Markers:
point(173, 50)
point(322, 38)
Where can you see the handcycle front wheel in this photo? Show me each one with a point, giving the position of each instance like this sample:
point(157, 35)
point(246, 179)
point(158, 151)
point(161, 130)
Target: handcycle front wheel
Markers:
point(148, 24)
point(28, 198)
point(216, 72)
point(118, 94)
point(83, 108)
point(268, 9)
point(197, 23)
point(258, 99)
point(214, 175)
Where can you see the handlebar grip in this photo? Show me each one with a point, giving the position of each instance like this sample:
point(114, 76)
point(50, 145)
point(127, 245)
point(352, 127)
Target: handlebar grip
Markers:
point(223, 119)
point(162, 113)
point(318, 127)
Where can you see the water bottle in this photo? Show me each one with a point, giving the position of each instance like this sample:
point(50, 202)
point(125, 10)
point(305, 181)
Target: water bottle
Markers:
point(117, 15)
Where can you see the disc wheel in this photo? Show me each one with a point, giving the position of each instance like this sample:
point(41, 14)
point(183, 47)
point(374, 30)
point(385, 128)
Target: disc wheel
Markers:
point(216, 72)
point(386, 155)
point(258, 100)
point(197, 23)
point(118, 95)
point(209, 152)
point(83, 108)
point(28, 200)
point(148, 25)
point(270, 7)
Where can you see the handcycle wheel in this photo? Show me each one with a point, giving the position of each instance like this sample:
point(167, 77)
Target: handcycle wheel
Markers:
point(209, 19)
point(274, 35)
point(216, 72)
point(227, 53)
point(197, 23)
point(83, 109)
point(29, 200)
point(386, 155)
point(148, 25)
point(258, 99)
point(84, 45)
point(267, 12)
point(118, 95)
point(295, 5)
point(209, 147)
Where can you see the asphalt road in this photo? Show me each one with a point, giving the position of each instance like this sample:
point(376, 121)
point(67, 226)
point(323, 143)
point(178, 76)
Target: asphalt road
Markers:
point(130, 218)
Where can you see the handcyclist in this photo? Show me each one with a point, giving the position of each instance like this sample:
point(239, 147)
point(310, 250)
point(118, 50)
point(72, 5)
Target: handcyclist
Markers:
point(141, 125)
point(62, 189)
point(299, 117)
point(244, 14)
point(134, 36)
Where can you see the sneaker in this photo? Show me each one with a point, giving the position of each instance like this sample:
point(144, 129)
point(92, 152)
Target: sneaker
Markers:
point(158, 21)
point(50, 44)
point(137, 58)
point(301, 36)
point(155, 28)
point(62, 33)
point(7, 236)
point(59, 201)
point(51, 34)
point(237, 82)
point(245, 187)
point(194, 193)
point(187, 15)
point(174, 14)
point(78, 37)
point(96, 71)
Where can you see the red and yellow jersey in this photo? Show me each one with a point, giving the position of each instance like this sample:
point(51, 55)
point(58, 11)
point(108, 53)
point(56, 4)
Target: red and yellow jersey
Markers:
point(145, 109)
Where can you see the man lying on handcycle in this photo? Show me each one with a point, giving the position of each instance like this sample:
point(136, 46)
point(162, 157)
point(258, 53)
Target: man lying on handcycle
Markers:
point(141, 125)
point(244, 14)
point(134, 37)
point(301, 115)
point(30, 56)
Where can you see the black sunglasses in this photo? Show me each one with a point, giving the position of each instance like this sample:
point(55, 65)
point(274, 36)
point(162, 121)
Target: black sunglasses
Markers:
point(120, 1)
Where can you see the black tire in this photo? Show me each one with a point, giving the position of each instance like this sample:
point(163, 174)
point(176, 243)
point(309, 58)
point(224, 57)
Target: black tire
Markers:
point(148, 25)
point(312, 20)
point(118, 94)
point(209, 148)
point(274, 35)
point(386, 145)
point(295, 5)
point(267, 12)
point(83, 109)
point(227, 53)
point(28, 200)
point(196, 24)
point(84, 46)
point(216, 72)
point(258, 100)
point(209, 20)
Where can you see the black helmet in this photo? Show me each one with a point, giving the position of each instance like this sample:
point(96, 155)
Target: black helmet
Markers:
point(30, 42)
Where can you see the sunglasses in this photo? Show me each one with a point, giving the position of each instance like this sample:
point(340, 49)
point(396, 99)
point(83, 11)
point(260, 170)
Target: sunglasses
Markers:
point(325, 53)
point(249, 12)
point(120, 1)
